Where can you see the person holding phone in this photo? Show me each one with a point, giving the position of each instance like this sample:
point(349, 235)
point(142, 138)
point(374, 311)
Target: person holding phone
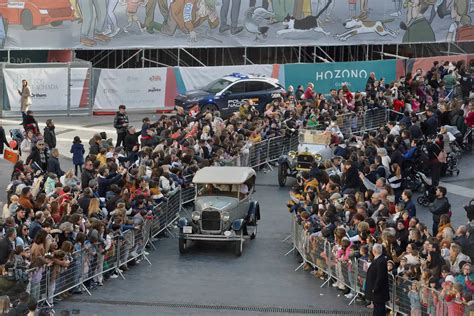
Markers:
point(25, 94)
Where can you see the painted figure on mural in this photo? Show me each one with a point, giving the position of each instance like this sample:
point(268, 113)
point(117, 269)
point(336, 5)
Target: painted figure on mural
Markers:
point(461, 19)
point(189, 14)
point(111, 28)
point(302, 9)
point(364, 9)
point(282, 8)
point(93, 21)
point(150, 23)
point(132, 7)
point(417, 28)
point(329, 10)
point(77, 10)
point(234, 17)
point(265, 4)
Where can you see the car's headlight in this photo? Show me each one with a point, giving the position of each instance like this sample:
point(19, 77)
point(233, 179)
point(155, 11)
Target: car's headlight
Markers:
point(196, 216)
point(317, 157)
point(43, 11)
point(225, 216)
point(292, 154)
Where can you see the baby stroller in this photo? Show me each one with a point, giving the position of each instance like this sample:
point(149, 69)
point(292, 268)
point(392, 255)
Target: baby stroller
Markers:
point(429, 193)
point(452, 164)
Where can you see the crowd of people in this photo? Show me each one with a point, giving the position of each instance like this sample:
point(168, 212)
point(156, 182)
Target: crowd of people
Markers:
point(52, 214)
point(361, 202)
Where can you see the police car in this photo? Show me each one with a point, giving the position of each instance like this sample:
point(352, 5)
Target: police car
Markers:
point(228, 93)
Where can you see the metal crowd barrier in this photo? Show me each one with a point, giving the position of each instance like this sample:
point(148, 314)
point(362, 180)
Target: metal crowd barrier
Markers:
point(351, 274)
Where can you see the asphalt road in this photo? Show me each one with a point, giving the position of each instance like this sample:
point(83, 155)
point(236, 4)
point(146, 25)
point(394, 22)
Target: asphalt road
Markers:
point(210, 280)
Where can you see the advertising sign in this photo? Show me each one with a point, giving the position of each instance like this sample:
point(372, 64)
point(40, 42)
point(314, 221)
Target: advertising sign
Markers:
point(327, 76)
point(49, 87)
point(140, 89)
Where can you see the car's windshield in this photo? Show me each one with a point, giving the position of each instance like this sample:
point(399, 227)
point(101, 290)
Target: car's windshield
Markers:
point(217, 85)
point(218, 189)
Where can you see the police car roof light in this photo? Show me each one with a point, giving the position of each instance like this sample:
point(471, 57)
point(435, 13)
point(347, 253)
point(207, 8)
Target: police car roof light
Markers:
point(239, 75)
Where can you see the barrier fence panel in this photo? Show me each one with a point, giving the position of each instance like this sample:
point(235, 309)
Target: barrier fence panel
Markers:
point(159, 219)
point(258, 154)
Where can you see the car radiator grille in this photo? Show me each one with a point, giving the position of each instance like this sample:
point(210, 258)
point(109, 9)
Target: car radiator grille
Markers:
point(211, 220)
point(304, 161)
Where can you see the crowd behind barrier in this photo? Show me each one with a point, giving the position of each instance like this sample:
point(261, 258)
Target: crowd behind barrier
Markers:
point(79, 232)
point(350, 275)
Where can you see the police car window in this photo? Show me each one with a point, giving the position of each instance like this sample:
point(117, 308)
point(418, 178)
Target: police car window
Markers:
point(267, 86)
point(217, 85)
point(254, 86)
point(239, 87)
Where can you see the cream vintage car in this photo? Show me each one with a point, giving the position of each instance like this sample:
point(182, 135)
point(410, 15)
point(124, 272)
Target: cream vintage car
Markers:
point(223, 209)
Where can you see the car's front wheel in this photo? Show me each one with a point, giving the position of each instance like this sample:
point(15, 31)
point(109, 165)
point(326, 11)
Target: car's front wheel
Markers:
point(239, 245)
point(183, 245)
point(27, 20)
point(282, 174)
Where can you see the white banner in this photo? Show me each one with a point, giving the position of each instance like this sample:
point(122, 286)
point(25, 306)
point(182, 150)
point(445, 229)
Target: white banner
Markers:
point(138, 89)
point(198, 77)
point(49, 87)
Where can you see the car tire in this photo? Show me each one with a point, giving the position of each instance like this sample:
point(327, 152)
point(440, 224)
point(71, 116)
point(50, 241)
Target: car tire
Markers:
point(27, 20)
point(282, 174)
point(183, 246)
point(56, 23)
point(239, 245)
point(211, 107)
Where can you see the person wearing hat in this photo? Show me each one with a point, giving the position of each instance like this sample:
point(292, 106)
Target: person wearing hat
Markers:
point(466, 277)
point(77, 151)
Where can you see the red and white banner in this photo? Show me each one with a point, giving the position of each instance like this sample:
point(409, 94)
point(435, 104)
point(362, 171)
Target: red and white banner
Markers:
point(138, 89)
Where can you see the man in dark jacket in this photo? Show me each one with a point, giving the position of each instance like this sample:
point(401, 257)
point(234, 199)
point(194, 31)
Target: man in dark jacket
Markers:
point(38, 157)
point(49, 134)
point(377, 286)
point(3, 140)
point(121, 124)
point(53, 163)
point(430, 126)
point(439, 207)
point(7, 245)
point(105, 180)
point(88, 174)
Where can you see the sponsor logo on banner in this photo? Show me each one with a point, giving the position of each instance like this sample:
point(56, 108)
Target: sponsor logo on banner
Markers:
point(142, 88)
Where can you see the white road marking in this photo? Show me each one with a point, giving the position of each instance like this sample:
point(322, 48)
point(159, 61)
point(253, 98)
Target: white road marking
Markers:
point(458, 190)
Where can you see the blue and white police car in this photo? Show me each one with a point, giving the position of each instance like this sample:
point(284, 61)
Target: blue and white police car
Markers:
point(228, 93)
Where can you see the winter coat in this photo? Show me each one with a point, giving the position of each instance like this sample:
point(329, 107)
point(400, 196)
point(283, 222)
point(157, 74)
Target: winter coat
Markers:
point(54, 167)
point(50, 137)
point(77, 151)
point(119, 120)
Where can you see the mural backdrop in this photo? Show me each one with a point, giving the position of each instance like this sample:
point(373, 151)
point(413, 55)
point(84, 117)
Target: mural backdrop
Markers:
point(86, 24)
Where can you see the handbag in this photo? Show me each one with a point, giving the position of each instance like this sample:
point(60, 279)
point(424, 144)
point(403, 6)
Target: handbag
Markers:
point(10, 155)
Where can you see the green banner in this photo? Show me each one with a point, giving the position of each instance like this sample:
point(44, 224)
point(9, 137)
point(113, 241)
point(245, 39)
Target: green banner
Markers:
point(327, 76)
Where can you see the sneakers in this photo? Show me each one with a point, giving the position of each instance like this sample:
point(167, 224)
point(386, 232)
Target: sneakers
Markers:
point(114, 32)
point(146, 253)
point(114, 276)
point(349, 296)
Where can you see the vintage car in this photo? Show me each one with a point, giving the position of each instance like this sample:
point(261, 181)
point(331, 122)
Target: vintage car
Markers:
point(313, 146)
point(223, 209)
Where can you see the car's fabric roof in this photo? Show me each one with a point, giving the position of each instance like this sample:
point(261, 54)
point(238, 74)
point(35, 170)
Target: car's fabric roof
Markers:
point(223, 175)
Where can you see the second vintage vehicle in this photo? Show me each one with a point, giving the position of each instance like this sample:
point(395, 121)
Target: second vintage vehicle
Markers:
point(313, 146)
point(223, 209)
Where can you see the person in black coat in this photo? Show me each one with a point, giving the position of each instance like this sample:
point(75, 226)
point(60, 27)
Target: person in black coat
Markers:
point(377, 286)
point(38, 157)
point(88, 174)
point(3, 140)
point(53, 163)
point(49, 134)
point(7, 245)
point(351, 178)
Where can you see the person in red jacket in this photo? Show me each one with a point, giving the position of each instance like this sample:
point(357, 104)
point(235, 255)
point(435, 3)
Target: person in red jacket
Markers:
point(309, 93)
point(398, 105)
point(469, 116)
